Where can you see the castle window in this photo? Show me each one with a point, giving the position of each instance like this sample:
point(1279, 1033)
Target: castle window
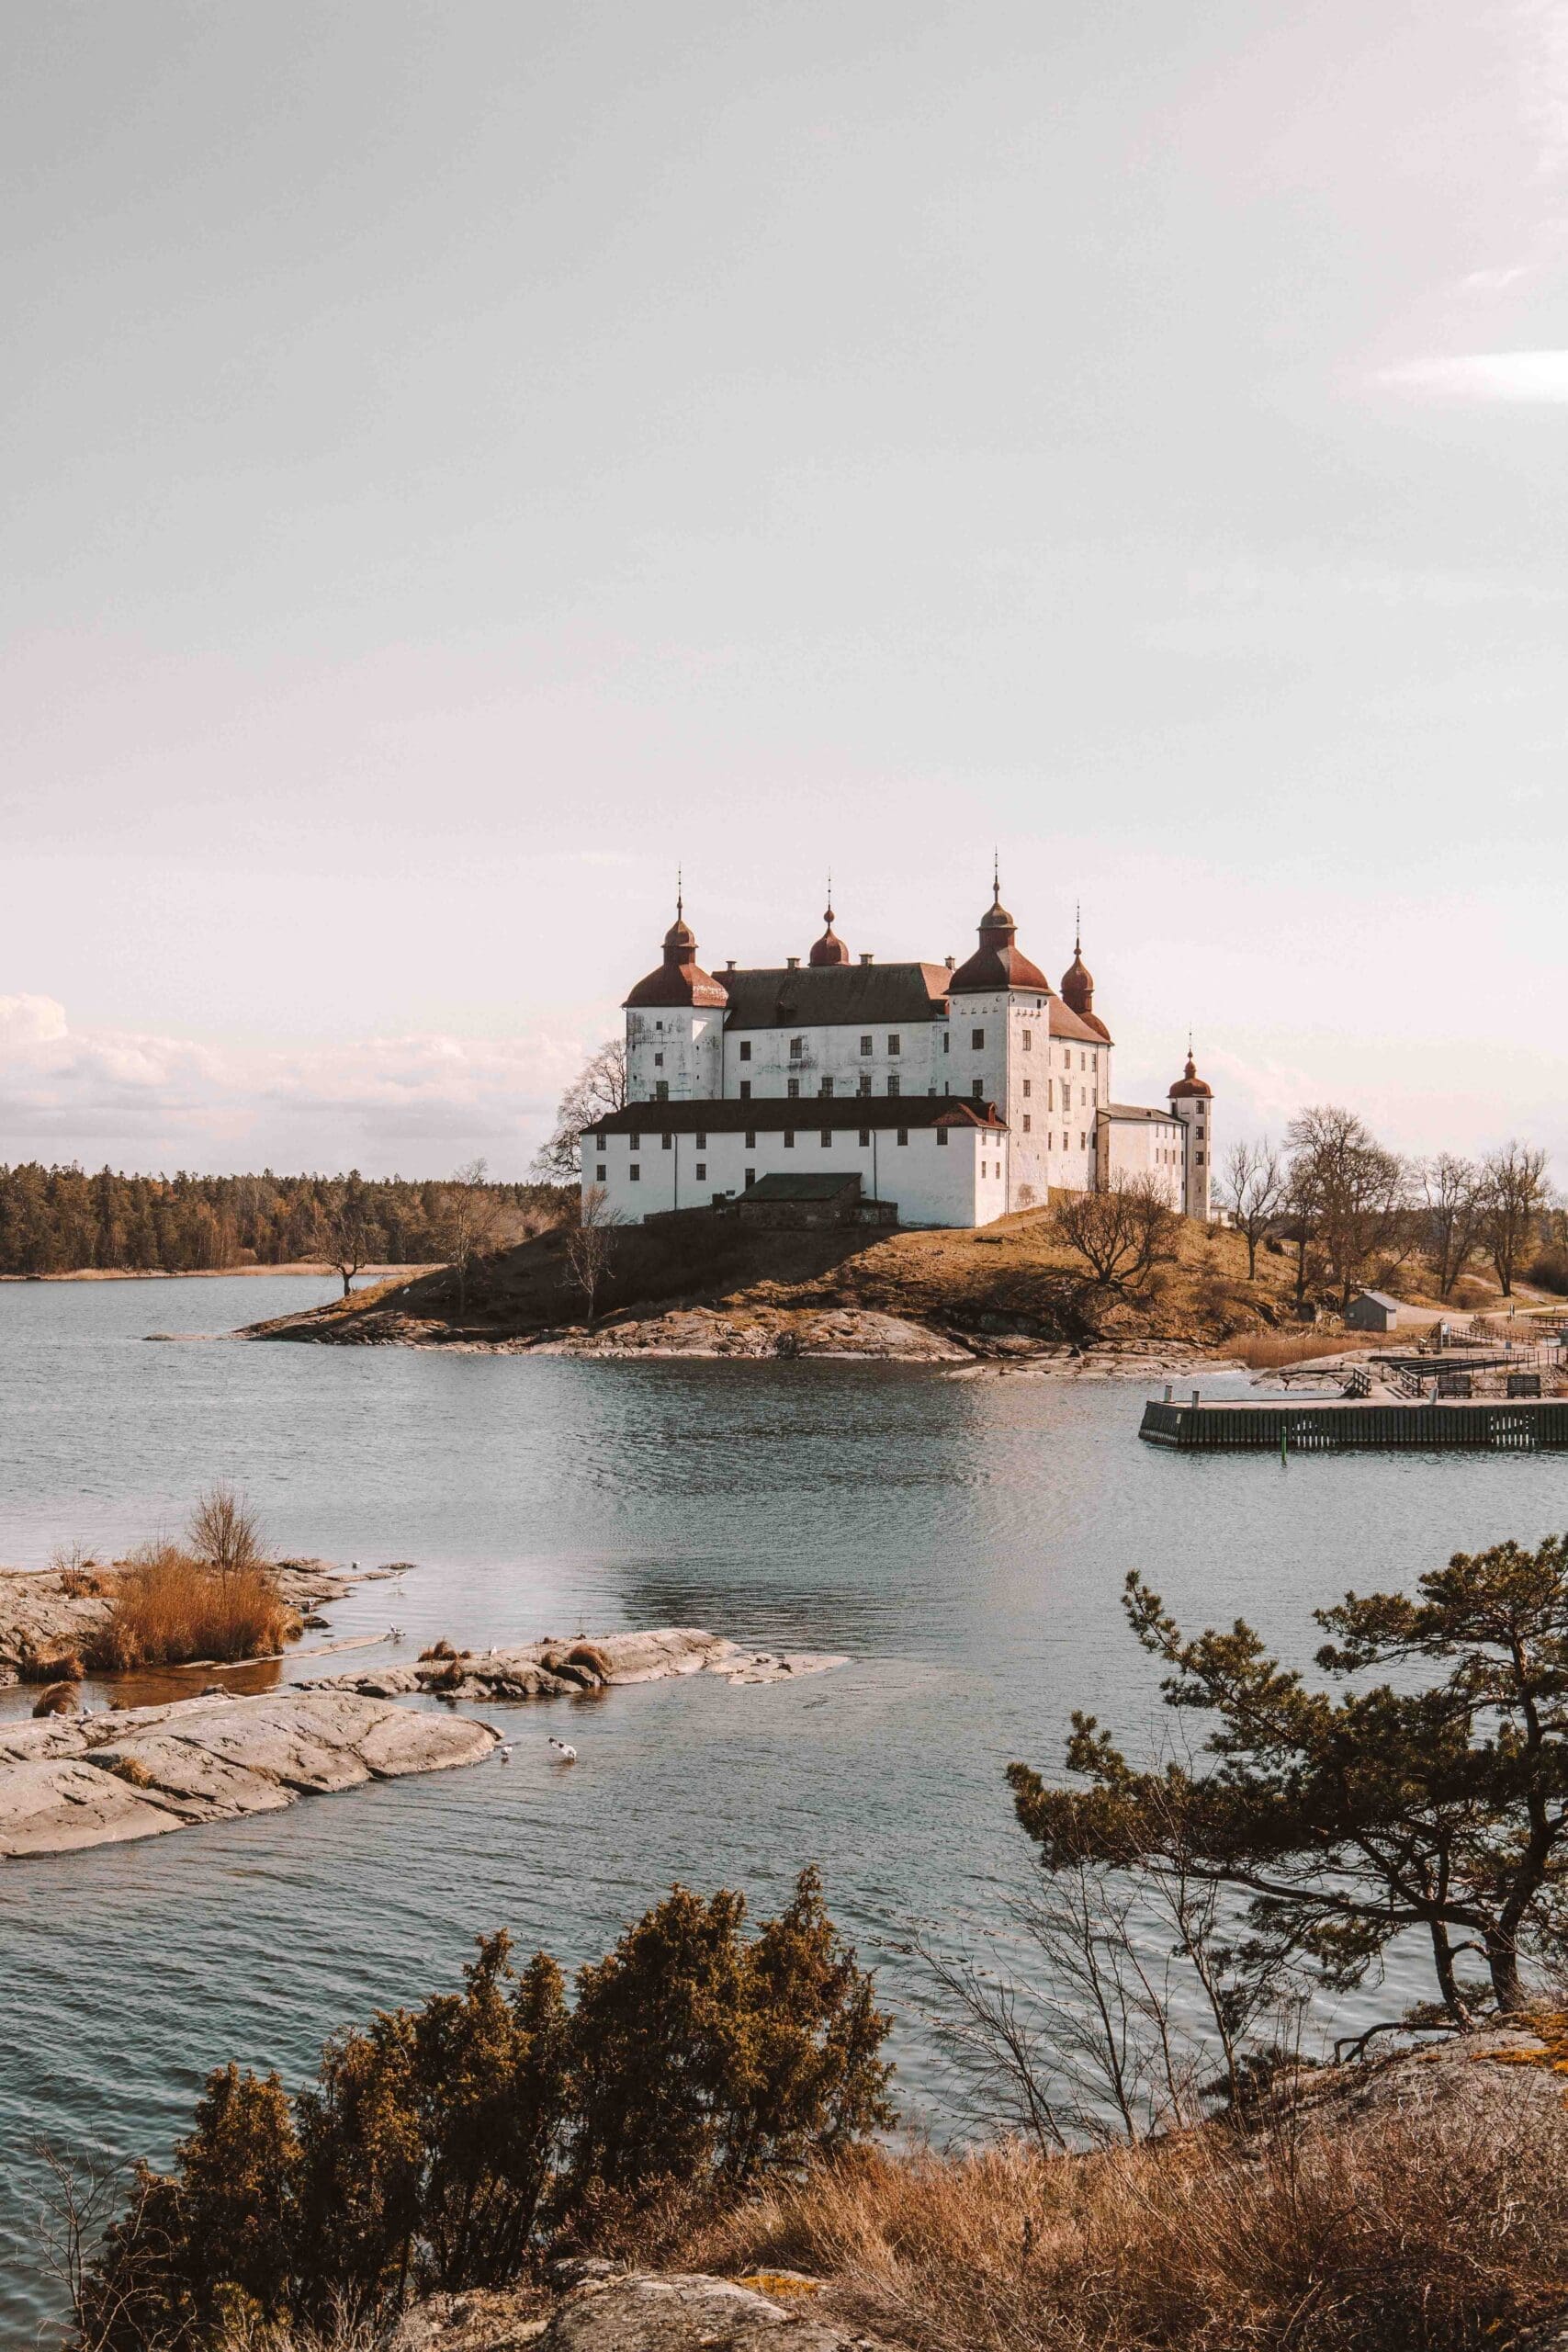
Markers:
point(1029, 1041)
point(745, 1089)
point(865, 1045)
point(599, 1173)
point(789, 1138)
point(658, 1061)
point(794, 1085)
point(892, 1086)
point(947, 1040)
point(827, 1086)
point(634, 1172)
point(865, 1139)
point(751, 1138)
point(745, 1050)
point(826, 1138)
point(1198, 1157)
point(702, 1143)
point(1026, 1123)
point(941, 1134)
point(1028, 1088)
point(895, 1044)
point(702, 1170)
point(978, 1090)
point(865, 1086)
point(666, 1142)
point(634, 1142)
point(797, 1048)
point(903, 1135)
point(1050, 1094)
point(1083, 1142)
point(978, 1040)
point(659, 1026)
point(750, 1178)
point(661, 1089)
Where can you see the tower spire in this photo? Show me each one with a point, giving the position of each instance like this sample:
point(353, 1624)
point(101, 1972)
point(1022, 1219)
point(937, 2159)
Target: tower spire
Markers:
point(1078, 926)
point(680, 897)
point(996, 874)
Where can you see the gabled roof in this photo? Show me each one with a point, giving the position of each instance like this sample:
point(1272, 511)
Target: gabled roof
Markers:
point(806, 1188)
point(1135, 1111)
point(1065, 1023)
point(802, 1114)
point(849, 996)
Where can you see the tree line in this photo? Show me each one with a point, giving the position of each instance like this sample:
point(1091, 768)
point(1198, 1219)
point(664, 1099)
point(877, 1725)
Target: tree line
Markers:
point(1351, 1210)
point(62, 1220)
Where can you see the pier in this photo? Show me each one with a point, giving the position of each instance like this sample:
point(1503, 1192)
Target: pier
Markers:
point(1333, 1425)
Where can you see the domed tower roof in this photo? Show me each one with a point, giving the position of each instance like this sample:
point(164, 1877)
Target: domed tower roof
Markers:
point(998, 962)
point(1077, 989)
point(829, 949)
point(680, 978)
point(1190, 1083)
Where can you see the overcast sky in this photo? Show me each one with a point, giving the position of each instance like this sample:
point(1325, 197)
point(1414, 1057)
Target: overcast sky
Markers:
point(463, 459)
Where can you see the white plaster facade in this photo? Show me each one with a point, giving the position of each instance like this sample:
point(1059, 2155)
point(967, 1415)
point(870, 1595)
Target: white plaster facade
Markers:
point(991, 1033)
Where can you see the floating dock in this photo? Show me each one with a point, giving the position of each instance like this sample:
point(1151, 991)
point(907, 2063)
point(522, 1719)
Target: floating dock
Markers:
point(1535, 1425)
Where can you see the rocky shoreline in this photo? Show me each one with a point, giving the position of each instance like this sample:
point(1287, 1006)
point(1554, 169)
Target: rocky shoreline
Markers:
point(71, 1782)
point(562, 1670)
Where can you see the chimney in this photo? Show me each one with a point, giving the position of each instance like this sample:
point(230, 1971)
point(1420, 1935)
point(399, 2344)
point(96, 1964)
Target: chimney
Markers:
point(794, 963)
point(951, 962)
point(730, 965)
point(866, 959)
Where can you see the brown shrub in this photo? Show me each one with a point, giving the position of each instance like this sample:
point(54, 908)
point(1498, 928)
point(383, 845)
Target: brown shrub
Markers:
point(224, 1532)
point(437, 1649)
point(450, 1676)
point(131, 1768)
point(1272, 1351)
point(81, 1583)
point(170, 1608)
point(1426, 2233)
point(60, 1699)
point(590, 1655)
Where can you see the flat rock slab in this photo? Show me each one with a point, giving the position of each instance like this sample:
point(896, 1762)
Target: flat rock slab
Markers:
point(652, 2312)
point(552, 1670)
point(72, 1781)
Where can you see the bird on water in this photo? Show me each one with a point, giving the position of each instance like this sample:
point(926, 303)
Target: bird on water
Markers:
point(563, 1749)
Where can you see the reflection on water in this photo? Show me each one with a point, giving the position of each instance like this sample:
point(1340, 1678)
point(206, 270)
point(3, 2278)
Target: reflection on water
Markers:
point(964, 1542)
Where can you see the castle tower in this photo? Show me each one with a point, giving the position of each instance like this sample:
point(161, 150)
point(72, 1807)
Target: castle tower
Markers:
point(675, 1025)
point(1191, 1102)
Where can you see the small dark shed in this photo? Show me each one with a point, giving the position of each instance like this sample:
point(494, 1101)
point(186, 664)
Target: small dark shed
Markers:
point(828, 1199)
point(1372, 1310)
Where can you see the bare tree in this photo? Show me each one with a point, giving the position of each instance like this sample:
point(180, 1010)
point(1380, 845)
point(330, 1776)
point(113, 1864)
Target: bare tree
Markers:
point(1121, 1233)
point(599, 1089)
point(1453, 1217)
point(343, 1236)
point(224, 1530)
point(470, 1213)
point(1356, 1194)
point(590, 1245)
point(1253, 1189)
point(1517, 1195)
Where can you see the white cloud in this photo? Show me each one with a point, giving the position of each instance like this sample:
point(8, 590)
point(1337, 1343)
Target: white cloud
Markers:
point(1520, 376)
point(419, 1104)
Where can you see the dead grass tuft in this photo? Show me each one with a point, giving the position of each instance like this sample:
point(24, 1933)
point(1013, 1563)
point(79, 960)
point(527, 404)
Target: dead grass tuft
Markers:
point(170, 1608)
point(1407, 2233)
point(1272, 1351)
point(49, 1666)
point(60, 1699)
point(132, 1770)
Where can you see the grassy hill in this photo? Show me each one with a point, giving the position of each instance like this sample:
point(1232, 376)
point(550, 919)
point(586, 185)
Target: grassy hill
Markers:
point(1013, 1278)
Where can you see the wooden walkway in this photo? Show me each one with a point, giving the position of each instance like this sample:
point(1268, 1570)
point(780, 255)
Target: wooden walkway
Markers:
point(1522, 1426)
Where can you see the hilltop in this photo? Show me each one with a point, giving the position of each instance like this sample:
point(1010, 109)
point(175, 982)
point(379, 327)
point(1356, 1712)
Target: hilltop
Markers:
point(704, 1283)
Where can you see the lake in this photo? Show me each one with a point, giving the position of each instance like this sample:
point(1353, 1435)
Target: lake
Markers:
point(962, 1541)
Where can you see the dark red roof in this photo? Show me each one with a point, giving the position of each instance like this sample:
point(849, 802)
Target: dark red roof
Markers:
point(997, 963)
point(1190, 1083)
point(1077, 989)
point(829, 949)
point(680, 978)
point(803, 1113)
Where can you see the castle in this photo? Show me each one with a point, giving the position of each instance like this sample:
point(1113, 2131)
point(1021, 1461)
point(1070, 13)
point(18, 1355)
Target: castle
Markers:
point(956, 1091)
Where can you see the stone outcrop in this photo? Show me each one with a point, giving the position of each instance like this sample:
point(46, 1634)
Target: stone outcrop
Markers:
point(47, 1612)
point(70, 1782)
point(639, 2310)
point(559, 1669)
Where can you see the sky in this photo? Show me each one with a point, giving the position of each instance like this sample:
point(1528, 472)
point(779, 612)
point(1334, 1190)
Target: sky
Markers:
point(464, 461)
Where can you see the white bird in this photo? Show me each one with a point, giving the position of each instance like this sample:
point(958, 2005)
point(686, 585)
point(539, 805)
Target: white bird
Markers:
point(505, 1755)
point(394, 1632)
point(567, 1753)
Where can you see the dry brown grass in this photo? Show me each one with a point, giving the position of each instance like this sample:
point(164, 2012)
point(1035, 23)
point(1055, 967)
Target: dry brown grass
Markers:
point(170, 1608)
point(1387, 2233)
point(1272, 1351)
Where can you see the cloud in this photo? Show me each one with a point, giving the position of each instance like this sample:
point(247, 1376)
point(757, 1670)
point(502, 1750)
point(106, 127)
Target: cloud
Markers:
point(419, 1104)
point(1518, 375)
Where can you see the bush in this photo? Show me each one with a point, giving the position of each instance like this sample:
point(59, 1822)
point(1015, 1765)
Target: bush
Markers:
point(170, 1608)
point(1550, 1271)
point(455, 2144)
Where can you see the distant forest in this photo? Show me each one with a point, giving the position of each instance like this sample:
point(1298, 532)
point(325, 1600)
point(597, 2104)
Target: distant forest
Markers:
point(61, 1220)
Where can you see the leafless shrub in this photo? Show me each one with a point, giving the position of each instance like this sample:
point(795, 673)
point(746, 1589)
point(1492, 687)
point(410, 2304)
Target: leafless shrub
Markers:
point(590, 1246)
point(224, 1532)
point(1118, 1234)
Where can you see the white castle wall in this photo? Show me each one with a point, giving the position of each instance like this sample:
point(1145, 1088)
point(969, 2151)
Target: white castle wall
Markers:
point(963, 1181)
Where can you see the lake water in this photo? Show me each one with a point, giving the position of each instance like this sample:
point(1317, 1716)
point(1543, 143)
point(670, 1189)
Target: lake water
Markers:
point(962, 1541)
